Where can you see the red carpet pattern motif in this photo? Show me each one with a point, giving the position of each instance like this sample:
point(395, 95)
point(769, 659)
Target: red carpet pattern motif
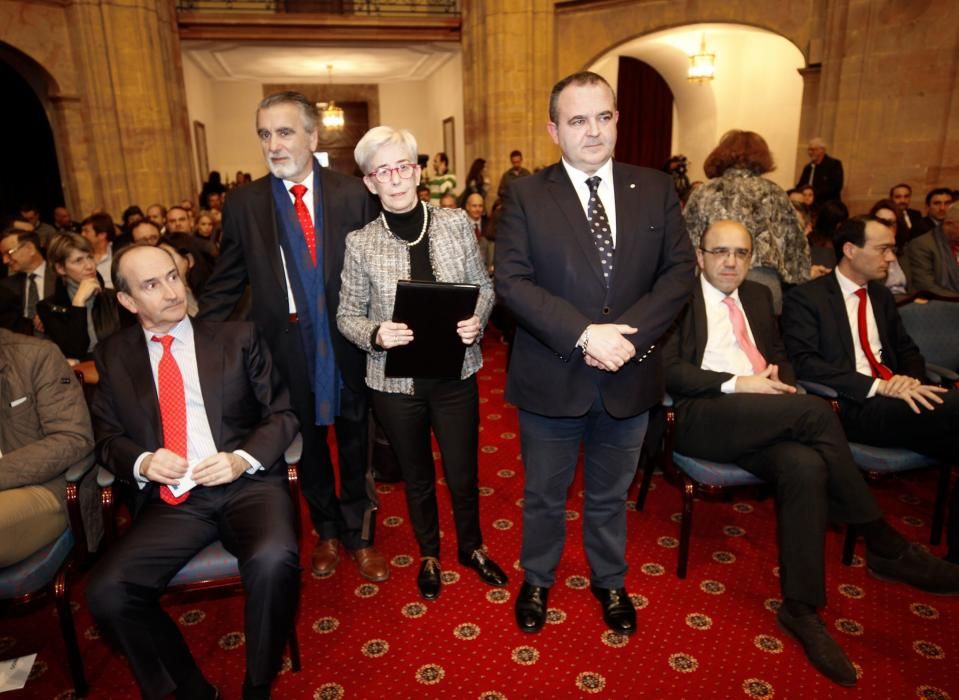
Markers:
point(713, 635)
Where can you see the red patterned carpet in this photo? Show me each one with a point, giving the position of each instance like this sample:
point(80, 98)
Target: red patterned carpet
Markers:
point(713, 635)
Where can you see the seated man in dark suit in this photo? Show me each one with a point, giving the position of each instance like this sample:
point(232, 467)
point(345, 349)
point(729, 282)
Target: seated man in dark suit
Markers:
point(843, 330)
point(937, 201)
point(727, 370)
point(30, 277)
point(932, 259)
point(183, 401)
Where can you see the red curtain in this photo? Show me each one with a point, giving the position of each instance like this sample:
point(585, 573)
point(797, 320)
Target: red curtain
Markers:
point(645, 105)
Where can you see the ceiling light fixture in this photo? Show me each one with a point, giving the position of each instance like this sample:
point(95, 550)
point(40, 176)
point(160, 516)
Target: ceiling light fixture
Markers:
point(330, 114)
point(702, 66)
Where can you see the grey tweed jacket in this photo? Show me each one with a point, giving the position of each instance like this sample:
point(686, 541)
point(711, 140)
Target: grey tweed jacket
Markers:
point(376, 259)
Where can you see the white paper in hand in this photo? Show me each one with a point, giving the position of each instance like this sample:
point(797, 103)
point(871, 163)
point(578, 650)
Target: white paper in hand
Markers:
point(186, 482)
point(14, 672)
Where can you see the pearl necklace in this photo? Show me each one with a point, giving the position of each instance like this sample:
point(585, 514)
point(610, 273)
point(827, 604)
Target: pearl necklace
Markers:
point(409, 244)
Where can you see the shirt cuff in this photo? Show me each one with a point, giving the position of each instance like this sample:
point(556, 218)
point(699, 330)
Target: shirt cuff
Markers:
point(873, 389)
point(729, 386)
point(255, 464)
point(141, 481)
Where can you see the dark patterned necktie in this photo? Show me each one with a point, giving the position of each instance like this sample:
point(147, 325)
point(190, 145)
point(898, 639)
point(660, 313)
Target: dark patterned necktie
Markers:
point(599, 228)
point(33, 296)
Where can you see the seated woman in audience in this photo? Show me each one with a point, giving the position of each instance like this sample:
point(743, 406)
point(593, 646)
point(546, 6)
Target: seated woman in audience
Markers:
point(737, 191)
point(886, 212)
point(475, 182)
point(411, 240)
point(207, 229)
point(81, 311)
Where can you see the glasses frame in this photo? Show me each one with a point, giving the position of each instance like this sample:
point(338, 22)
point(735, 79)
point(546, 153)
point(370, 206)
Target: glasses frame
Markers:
point(375, 174)
point(738, 253)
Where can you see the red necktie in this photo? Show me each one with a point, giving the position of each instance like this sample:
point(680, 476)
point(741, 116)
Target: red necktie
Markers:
point(878, 369)
point(172, 410)
point(756, 358)
point(476, 230)
point(306, 223)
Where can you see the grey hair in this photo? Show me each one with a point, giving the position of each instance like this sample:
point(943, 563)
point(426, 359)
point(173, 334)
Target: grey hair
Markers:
point(817, 142)
point(952, 213)
point(307, 109)
point(377, 137)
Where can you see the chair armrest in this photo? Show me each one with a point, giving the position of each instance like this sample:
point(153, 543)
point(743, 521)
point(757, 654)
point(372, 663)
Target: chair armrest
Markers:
point(77, 472)
point(817, 389)
point(105, 477)
point(294, 451)
point(668, 400)
point(939, 374)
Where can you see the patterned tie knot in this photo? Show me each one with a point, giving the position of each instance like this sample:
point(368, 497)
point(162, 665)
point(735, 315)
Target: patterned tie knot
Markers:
point(298, 191)
point(165, 340)
point(593, 183)
point(32, 276)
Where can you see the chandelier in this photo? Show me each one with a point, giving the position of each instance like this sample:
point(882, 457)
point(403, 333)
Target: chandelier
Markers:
point(702, 66)
point(330, 114)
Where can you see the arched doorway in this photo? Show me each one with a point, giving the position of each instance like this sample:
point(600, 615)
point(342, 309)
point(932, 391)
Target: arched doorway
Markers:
point(31, 173)
point(757, 87)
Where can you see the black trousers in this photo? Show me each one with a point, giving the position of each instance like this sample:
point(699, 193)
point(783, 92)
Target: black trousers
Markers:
point(796, 443)
point(887, 422)
point(348, 516)
point(451, 408)
point(254, 520)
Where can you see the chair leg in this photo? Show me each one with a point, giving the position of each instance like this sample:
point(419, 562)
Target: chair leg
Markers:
point(685, 527)
point(294, 651)
point(648, 467)
point(67, 628)
point(849, 544)
point(939, 511)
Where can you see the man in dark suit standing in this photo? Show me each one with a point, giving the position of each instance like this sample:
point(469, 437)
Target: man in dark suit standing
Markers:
point(733, 387)
point(285, 236)
point(843, 330)
point(593, 260)
point(181, 402)
point(823, 172)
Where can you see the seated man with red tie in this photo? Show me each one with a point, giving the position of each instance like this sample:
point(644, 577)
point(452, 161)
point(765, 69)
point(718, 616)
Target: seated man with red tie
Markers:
point(736, 402)
point(843, 330)
point(179, 403)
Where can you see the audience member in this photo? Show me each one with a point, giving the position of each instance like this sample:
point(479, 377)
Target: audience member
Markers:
point(932, 259)
point(423, 192)
point(475, 209)
point(132, 215)
point(726, 368)
point(516, 170)
point(214, 185)
point(81, 312)
point(157, 214)
point(430, 244)
point(885, 213)
point(823, 173)
point(44, 432)
point(843, 330)
point(179, 233)
point(99, 230)
point(448, 201)
point(184, 261)
point(475, 182)
point(31, 278)
point(582, 370)
point(270, 227)
point(937, 200)
point(145, 231)
point(206, 229)
point(29, 212)
point(830, 216)
point(230, 448)
point(443, 181)
point(738, 192)
point(188, 205)
point(901, 196)
point(63, 222)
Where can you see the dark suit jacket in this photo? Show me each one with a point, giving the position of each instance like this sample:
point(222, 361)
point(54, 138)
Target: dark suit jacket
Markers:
point(686, 344)
point(66, 325)
point(923, 225)
point(924, 264)
point(548, 274)
point(827, 180)
point(819, 340)
point(250, 254)
point(247, 405)
point(15, 284)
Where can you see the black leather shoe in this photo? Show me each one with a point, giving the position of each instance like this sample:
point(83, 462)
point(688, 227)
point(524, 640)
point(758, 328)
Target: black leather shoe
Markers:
point(531, 607)
point(822, 650)
point(917, 568)
point(618, 610)
point(485, 567)
point(428, 580)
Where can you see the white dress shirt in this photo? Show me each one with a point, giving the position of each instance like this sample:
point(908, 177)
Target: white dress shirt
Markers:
point(723, 353)
point(103, 266)
point(849, 289)
point(199, 442)
point(605, 191)
point(308, 201)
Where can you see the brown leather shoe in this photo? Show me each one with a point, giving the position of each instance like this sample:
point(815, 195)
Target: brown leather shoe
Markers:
point(373, 565)
point(326, 555)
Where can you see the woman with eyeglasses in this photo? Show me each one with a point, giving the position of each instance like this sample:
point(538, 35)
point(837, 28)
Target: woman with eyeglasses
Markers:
point(887, 214)
point(81, 311)
point(412, 240)
point(737, 191)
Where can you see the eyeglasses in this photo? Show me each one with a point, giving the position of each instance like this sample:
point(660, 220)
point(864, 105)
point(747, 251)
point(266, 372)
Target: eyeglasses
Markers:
point(13, 250)
point(738, 253)
point(385, 173)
